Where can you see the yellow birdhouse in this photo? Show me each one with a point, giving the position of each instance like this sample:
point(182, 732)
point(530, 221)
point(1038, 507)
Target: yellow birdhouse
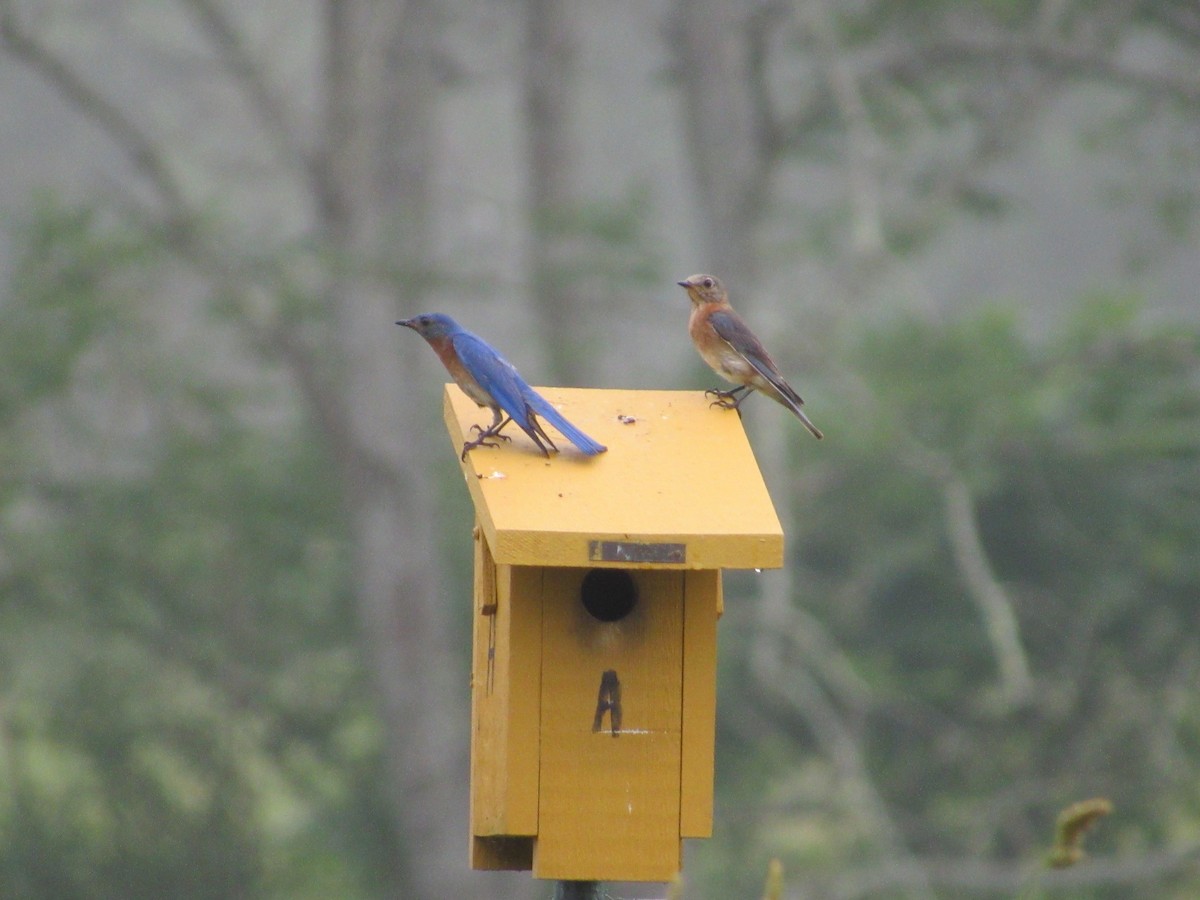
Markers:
point(597, 593)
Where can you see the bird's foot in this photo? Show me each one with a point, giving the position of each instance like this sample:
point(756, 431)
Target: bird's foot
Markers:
point(725, 399)
point(481, 441)
point(485, 433)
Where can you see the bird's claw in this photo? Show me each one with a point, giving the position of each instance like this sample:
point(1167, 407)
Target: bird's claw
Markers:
point(481, 441)
point(485, 433)
point(725, 399)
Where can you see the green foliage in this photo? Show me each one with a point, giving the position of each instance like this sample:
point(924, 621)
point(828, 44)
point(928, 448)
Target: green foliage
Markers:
point(958, 388)
point(1081, 452)
point(182, 710)
point(59, 307)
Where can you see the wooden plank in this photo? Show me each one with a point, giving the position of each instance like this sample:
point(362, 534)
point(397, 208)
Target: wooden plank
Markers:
point(485, 712)
point(701, 602)
point(609, 805)
point(645, 490)
point(506, 693)
point(520, 620)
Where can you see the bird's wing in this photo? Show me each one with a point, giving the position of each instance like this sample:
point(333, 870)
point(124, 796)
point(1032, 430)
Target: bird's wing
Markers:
point(496, 375)
point(730, 328)
point(499, 378)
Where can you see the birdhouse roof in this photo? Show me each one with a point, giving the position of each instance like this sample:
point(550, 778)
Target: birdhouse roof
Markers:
point(678, 487)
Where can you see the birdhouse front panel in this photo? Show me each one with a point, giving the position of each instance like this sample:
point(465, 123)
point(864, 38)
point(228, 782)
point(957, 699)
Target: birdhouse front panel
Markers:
point(611, 730)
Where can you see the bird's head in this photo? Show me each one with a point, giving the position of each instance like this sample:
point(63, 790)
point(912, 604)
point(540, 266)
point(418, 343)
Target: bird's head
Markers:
point(703, 289)
point(431, 326)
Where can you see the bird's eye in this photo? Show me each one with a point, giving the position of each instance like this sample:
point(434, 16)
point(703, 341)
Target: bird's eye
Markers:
point(708, 282)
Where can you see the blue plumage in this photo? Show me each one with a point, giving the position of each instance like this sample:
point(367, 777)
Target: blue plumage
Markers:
point(492, 381)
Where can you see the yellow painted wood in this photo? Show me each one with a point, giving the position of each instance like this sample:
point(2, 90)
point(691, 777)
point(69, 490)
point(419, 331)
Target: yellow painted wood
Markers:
point(701, 595)
point(609, 806)
point(676, 471)
point(505, 696)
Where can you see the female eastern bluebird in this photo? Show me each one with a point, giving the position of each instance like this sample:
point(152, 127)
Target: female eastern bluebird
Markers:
point(490, 380)
point(733, 351)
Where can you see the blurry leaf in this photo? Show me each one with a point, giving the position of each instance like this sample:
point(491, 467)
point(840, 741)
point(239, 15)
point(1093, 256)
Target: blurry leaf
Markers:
point(1073, 823)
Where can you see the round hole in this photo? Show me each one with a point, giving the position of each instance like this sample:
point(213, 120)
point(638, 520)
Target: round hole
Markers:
point(608, 594)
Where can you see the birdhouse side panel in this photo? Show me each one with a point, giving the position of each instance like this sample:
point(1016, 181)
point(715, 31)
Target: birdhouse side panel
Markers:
point(505, 696)
point(701, 608)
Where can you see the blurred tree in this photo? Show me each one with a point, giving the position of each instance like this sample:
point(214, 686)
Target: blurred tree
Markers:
point(1003, 527)
point(859, 135)
point(315, 305)
point(585, 250)
point(719, 57)
point(548, 79)
point(1081, 458)
point(181, 712)
point(373, 174)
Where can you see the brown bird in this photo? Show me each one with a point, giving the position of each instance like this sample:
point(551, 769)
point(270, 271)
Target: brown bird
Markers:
point(734, 352)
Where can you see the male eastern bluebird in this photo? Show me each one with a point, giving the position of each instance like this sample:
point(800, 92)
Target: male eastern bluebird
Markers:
point(734, 352)
point(490, 380)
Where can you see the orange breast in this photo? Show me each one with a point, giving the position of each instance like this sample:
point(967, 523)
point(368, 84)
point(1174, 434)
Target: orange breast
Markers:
point(715, 350)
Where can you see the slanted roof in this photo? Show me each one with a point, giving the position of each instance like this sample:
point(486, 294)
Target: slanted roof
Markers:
point(678, 487)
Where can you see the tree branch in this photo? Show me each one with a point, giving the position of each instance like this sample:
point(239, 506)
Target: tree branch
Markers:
point(863, 147)
point(784, 683)
point(994, 605)
point(970, 556)
point(915, 60)
point(145, 156)
point(1182, 18)
point(255, 85)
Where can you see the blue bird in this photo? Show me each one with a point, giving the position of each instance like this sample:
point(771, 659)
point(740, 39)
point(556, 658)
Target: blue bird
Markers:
point(492, 381)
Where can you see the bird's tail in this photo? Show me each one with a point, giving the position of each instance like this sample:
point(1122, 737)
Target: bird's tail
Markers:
point(792, 401)
point(816, 432)
point(542, 407)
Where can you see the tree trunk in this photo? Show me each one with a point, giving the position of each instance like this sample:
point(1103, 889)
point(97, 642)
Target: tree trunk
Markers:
point(375, 207)
point(727, 146)
point(731, 147)
point(547, 79)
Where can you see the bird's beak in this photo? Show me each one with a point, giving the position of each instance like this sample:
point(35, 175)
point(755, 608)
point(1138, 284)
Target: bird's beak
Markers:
point(684, 284)
point(407, 323)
